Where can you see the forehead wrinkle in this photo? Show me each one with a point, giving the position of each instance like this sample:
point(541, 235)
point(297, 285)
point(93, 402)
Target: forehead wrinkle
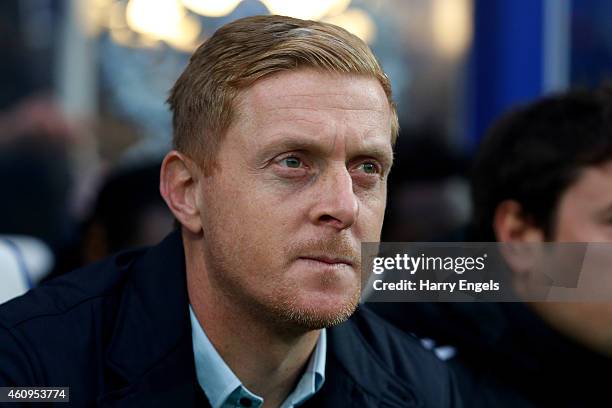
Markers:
point(297, 114)
point(330, 130)
point(341, 99)
point(331, 139)
point(332, 100)
point(323, 108)
point(277, 93)
point(320, 87)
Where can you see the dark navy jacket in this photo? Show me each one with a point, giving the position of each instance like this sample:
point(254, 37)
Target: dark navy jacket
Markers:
point(507, 356)
point(118, 334)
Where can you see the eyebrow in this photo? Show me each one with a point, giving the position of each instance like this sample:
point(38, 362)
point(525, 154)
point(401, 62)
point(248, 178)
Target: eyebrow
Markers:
point(297, 143)
point(379, 153)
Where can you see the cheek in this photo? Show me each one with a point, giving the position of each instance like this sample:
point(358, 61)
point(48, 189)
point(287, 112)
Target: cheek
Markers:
point(251, 212)
point(573, 223)
point(244, 235)
point(370, 221)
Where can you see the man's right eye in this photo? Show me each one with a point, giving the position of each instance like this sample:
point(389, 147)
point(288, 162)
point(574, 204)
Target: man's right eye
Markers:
point(291, 162)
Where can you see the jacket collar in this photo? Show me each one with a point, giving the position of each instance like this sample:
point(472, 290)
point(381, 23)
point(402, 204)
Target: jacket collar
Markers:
point(371, 382)
point(150, 349)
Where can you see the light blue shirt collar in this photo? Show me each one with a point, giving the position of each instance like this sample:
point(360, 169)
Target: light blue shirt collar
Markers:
point(223, 389)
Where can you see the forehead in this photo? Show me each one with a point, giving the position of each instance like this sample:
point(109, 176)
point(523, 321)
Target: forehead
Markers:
point(326, 90)
point(317, 103)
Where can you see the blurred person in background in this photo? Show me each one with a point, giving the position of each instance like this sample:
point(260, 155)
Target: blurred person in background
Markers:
point(428, 191)
point(543, 174)
point(128, 212)
point(283, 135)
point(35, 140)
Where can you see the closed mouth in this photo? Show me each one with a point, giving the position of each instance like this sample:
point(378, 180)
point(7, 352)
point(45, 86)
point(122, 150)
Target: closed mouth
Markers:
point(329, 260)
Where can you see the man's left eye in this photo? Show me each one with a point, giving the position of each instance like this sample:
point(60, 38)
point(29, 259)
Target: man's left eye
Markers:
point(292, 162)
point(369, 168)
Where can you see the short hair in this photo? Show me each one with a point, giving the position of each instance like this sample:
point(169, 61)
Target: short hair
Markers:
point(248, 49)
point(535, 153)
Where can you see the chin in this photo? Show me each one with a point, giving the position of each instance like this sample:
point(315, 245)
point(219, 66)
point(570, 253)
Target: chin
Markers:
point(317, 311)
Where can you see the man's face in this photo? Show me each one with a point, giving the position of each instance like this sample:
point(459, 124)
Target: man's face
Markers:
point(300, 182)
point(584, 214)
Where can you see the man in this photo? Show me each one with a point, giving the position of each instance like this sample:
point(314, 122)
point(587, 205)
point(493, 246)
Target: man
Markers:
point(283, 132)
point(543, 173)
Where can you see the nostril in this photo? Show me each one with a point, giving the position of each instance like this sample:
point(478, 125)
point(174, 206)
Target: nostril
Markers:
point(335, 222)
point(326, 218)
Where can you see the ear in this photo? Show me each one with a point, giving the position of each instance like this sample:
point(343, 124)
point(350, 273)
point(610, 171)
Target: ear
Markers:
point(511, 224)
point(180, 189)
point(520, 237)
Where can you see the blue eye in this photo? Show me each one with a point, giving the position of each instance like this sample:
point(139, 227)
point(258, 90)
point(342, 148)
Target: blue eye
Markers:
point(369, 168)
point(292, 162)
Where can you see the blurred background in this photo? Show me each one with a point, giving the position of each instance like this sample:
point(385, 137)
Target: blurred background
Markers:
point(83, 122)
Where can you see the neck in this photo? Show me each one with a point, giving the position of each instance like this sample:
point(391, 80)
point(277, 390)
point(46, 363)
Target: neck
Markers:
point(266, 358)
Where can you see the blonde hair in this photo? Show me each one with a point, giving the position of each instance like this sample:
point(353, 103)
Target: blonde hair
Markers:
point(243, 51)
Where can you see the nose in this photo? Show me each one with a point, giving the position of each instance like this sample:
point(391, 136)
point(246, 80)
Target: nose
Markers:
point(336, 204)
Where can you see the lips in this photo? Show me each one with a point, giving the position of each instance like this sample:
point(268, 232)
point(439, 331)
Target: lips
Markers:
point(329, 260)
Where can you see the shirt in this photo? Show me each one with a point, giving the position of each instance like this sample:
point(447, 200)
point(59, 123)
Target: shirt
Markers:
point(225, 390)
